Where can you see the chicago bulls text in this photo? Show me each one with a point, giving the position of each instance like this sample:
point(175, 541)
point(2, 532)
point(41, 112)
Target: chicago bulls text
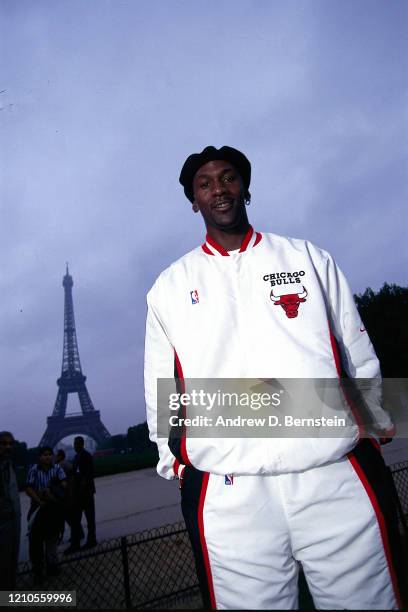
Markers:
point(284, 278)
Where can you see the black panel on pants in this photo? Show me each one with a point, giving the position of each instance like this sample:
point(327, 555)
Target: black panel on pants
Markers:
point(190, 497)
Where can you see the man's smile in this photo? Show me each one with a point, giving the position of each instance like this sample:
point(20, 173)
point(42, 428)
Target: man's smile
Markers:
point(225, 204)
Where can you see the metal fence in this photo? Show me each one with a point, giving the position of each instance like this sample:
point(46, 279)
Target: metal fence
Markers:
point(150, 569)
point(399, 473)
point(153, 568)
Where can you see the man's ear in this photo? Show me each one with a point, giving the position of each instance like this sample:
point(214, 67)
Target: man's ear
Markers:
point(195, 207)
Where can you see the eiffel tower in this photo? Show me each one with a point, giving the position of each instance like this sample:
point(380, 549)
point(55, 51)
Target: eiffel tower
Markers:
point(87, 422)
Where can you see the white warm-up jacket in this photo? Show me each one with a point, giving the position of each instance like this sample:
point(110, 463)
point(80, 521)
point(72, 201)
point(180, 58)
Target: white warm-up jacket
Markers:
point(219, 314)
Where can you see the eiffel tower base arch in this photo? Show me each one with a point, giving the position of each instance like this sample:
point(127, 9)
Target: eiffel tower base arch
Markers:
point(88, 424)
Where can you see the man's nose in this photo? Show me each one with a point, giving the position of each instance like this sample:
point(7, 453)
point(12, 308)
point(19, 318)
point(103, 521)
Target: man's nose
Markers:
point(219, 187)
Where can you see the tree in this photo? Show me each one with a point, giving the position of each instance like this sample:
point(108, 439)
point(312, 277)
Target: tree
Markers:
point(20, 454)
point(385, 316)
point(138, 437)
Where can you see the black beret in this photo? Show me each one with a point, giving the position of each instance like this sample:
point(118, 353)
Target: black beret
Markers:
point(196, 160)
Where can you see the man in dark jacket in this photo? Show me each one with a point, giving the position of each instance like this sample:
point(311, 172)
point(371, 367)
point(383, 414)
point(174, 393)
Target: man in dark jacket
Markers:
point(83, 493)
point(10, 515)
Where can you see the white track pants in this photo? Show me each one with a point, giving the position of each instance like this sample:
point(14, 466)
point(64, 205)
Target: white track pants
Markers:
point(249, 536)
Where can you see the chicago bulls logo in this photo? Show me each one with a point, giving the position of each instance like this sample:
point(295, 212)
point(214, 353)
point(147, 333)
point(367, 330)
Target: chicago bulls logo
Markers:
point(290, 302)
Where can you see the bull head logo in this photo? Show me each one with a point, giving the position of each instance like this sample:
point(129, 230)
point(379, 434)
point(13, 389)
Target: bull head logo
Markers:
point(290, 302)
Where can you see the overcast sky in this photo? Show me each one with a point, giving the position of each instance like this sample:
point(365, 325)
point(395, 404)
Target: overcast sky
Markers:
point(101, 102)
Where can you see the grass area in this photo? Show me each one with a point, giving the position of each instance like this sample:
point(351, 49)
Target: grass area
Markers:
point(117, 464)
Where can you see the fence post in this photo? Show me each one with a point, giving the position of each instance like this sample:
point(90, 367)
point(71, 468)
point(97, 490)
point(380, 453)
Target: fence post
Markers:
point(125, 562)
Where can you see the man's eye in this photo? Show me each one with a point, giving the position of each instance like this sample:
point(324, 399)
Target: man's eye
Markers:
point(229, 177)
point(204, 185)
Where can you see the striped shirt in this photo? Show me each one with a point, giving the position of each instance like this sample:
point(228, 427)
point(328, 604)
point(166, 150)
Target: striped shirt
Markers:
point(40, 479)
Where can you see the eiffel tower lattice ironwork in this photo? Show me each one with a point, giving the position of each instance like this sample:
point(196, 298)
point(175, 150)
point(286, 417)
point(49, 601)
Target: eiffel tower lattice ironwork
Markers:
point(88, 422)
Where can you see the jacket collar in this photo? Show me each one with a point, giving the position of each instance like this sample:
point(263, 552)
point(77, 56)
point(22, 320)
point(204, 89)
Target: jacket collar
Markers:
point(251, 239)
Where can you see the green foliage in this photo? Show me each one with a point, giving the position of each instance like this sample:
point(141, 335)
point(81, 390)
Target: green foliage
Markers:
point(20, 454)
point(23, 456)
point(115, 464)
point(117, 442)
point(385, 316)
point(138, 437)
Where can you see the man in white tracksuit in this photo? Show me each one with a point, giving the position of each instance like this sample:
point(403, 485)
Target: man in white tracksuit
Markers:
point(250, 305)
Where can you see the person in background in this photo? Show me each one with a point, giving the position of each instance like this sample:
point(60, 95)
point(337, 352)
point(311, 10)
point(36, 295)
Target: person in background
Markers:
point(84, 501)
point(46, 485)
point(63, 462)
point(10, 515)
point(66, 465)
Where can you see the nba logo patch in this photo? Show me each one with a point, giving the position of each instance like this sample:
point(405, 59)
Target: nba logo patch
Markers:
point(194, 296)
point(229, 479)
